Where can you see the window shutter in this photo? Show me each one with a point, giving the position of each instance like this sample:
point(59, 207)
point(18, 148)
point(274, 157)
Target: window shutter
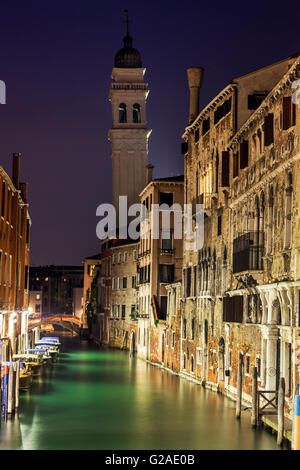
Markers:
point(244, 154)
point(184, 147)
point(225, 169)
point(235, 165)
point(286, 112)
point(233, 309)
point(269, 129)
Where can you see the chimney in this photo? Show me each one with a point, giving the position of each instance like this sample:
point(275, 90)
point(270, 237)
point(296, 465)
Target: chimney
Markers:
point(16, 170)
point(24, 191)
point(195, 76)
point(149, 169)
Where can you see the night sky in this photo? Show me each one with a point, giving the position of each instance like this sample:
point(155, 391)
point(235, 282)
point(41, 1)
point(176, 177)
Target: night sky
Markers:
point(56, 60)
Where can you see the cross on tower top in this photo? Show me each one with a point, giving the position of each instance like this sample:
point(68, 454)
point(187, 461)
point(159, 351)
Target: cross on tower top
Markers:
point(127, 21)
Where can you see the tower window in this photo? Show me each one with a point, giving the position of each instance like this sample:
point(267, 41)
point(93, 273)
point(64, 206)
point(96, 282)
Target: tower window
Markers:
point(136, 116)
point(122, 112)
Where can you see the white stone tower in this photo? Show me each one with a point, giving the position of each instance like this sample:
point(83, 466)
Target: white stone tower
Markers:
point(129, 133)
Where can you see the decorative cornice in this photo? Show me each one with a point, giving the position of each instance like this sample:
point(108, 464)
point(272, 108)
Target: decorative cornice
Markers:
point(266, 179)
point(212, 105)
point(287, 79)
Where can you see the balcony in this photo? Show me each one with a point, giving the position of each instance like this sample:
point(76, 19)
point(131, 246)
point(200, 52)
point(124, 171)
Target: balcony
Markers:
point(248, 252)
point(167, 251)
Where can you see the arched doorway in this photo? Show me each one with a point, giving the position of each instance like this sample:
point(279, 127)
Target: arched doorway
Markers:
point(221, 358)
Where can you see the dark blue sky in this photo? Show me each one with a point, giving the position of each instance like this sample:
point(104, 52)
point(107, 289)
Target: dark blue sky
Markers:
point(56, 59)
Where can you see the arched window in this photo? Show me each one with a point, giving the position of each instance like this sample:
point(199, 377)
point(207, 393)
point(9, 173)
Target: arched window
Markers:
point(122, 112)
point(136, 116)
point(193, 329)
point(192, 364)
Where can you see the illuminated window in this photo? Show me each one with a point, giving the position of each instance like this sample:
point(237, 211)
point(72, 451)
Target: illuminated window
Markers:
point(122, 112)
point(136, 116)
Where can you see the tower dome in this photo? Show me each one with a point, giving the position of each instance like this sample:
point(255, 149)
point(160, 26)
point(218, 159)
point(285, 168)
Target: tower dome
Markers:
point(128, 57)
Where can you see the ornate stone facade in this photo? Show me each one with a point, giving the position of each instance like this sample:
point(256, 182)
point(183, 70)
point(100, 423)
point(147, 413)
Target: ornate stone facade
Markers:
point(241, 290)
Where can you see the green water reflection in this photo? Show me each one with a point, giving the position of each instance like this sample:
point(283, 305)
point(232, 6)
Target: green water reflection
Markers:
point(99, 399)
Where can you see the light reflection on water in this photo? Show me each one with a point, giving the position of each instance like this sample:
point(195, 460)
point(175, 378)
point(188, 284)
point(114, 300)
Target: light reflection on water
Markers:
point(102, 399)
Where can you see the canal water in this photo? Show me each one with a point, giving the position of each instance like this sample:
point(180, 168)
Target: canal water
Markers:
point(102, 399)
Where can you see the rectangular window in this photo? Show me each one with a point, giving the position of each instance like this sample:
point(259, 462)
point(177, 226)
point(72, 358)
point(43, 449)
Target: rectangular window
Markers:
point(225, 169)
point(124, 282)
point(134, 254)
point(173, 339)
point(269, 129)
point(222, 110)
point(133, 282)
point(166, 273)
point(219, 224)
point(235, 165)
point(244, 154)
point(37, 308)
point(166, 240)
point(118, 283)
point(184, 147)
point(255, 100)
point(125, 257)
point(123, 312)
point(233, 309)
point(113, 283)
point(184, 328)
point(163, 306)
point(188, 279)
point(120, 257)
point(288, 113)
point(193, 329)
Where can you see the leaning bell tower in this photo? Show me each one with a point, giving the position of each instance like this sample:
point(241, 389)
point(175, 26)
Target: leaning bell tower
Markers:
point(129, 133)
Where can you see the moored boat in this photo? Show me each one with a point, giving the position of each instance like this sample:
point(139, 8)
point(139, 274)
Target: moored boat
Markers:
point(32, 360)
point(26, 378)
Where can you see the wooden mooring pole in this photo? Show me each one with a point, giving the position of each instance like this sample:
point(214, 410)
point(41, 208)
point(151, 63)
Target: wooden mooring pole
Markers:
point(254, 409)
point(239, 389)
point(11, 390)
point(280, 411)
point(17, 366)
